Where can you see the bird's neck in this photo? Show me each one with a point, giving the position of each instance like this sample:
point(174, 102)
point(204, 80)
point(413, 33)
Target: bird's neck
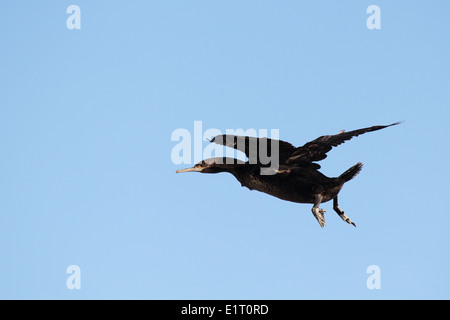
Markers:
point(243, 173)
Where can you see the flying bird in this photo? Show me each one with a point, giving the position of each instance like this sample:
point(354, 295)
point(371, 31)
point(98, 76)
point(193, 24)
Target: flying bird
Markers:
point(296, 177)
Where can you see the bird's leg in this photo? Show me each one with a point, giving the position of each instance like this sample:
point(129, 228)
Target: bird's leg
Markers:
point(341, 213)
point(317, 212)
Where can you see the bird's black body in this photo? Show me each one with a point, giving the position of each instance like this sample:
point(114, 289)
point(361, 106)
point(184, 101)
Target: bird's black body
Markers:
point(296, 184)
point(296, 178)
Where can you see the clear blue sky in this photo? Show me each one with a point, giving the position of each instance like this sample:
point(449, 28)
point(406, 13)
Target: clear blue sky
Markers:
point(87, 179)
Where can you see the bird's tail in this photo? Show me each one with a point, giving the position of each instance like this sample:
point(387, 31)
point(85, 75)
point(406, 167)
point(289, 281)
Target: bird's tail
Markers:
point(350, 173)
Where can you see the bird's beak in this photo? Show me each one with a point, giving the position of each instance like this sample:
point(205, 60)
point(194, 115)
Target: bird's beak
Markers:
point(193, 169)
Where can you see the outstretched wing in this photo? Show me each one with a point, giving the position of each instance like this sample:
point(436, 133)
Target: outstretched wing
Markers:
point(255, 148)
point(317, 149)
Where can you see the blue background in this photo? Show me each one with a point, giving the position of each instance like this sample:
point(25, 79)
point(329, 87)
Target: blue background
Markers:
point(86, 175)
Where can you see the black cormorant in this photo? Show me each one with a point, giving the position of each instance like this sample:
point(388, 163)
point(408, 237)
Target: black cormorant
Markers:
point(296, 178)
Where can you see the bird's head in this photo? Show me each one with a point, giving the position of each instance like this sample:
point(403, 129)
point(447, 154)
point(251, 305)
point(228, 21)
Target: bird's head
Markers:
point(214, 165)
